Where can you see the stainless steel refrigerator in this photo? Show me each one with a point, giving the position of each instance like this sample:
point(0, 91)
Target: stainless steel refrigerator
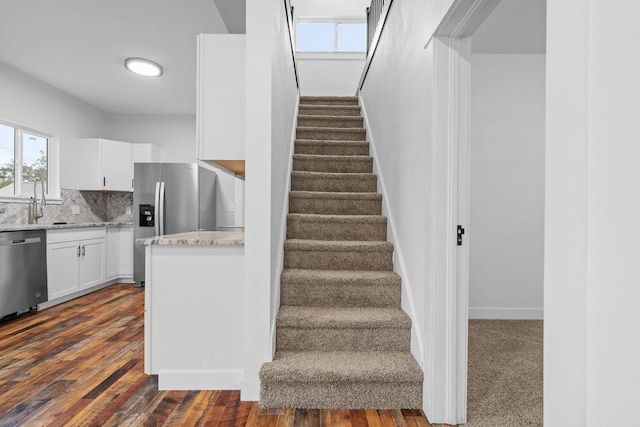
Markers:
point(170, 198)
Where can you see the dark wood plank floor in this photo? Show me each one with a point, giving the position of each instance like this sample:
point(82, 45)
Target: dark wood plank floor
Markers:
point(81, 364)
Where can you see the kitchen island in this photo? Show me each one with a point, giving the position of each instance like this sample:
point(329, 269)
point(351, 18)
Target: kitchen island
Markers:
point(194, 291)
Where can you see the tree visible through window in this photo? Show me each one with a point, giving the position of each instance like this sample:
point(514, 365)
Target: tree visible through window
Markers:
point(331, 36)
point(23, 154)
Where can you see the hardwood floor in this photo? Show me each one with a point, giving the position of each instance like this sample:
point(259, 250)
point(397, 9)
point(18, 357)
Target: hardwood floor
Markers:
point(81, 364)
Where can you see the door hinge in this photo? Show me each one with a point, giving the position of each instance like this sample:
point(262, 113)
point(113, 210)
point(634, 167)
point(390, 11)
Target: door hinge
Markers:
point(460, 233)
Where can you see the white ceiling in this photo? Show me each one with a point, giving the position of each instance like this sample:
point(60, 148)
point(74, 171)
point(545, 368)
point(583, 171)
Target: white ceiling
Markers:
point(79, 47)
point(515, 26)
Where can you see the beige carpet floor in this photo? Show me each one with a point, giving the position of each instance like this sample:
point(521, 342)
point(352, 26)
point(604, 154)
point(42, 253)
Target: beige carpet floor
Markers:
point(505, 373)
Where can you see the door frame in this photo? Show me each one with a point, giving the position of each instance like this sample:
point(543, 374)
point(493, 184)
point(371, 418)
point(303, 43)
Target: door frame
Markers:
point(451, 45)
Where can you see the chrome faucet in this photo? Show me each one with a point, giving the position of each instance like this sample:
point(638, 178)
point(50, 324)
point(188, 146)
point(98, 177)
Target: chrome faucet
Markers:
point(34, 202)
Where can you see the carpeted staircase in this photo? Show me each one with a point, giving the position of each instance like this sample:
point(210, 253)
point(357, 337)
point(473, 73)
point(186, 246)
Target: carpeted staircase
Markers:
point(342, 339)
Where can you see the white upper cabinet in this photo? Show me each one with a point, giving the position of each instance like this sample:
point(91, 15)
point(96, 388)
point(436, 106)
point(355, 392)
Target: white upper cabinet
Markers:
point(221, 97)
point(115, 165)
point(96, 164)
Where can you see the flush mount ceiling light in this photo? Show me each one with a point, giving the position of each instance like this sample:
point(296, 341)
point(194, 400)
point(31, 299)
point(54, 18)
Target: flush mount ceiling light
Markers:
point(143, 67)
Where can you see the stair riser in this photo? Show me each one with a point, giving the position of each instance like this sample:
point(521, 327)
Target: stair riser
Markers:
point(333, 150)
point(341, 395)
point(315, 230)
point(331, 134)
point(300, 294)
point(331, 122)
point(334, 206)
point(343, 184)
point(328, 101)
point(310, 110)
point(343, 339)
point(322, 165)
point(332, 260)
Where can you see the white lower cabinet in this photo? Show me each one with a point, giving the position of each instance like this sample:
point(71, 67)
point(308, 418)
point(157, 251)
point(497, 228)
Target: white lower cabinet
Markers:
point(62, 269)
point(119, 253)
point(76, 260)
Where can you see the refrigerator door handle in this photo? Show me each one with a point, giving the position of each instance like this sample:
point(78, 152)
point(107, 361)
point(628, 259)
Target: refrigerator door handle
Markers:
point(161, 210)
point(156, 216)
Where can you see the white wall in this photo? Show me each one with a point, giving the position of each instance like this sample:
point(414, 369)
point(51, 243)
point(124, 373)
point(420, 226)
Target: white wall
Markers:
point(284, 103)
point(506, 231)
point(321, 75)
point(324, 8)
point(174, 134)
point(330, 74)
point(592, 204)
point(271, 97)
point(396, 97)
point(30, 103)
point(613, 287)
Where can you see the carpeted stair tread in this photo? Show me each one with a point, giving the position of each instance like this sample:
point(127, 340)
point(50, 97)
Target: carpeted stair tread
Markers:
point(340, 288)
point(341, 219)
point(343, 317)
point(335, 203)
point(338, 255)
point(327, 147)
point(329, 100)
point(331, 133)
point(335, 196)
point(337, 246)
point(341, 277)
point(303, 328)
point(330, 121)
point(332, 163)
point(338, 182)
point(352, 367)
point(330, 110)
point(336, 227)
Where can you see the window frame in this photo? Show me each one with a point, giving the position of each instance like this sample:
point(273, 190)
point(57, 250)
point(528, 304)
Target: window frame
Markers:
point(53, 181)
point(335, 21)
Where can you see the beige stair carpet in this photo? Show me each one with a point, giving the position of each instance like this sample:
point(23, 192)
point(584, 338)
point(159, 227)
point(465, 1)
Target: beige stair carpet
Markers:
point(342, 339)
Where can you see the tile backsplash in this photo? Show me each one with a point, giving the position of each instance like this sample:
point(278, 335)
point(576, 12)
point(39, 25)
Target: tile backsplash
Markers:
point(92, 206)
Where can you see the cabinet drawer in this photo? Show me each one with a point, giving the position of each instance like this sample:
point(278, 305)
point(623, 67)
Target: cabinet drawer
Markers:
point(68, 235)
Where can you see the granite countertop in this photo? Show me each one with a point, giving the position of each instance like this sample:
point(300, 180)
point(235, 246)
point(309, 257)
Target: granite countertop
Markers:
point(197, 238)
point(23, 227)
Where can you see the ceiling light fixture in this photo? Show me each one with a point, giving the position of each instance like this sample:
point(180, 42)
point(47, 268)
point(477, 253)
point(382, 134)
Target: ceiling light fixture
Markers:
point(143, 67)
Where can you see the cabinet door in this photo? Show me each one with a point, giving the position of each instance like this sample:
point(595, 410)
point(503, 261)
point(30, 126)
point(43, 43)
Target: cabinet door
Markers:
point(126, 252)
point(92, 262)
point(62, 268)
point(113, 252)
point(116, 165)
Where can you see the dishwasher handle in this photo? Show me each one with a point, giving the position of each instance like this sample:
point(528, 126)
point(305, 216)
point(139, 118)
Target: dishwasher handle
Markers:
point(19, 242)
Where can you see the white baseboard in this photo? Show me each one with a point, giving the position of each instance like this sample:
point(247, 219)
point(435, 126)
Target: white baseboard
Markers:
point(250, 391)
point(200, 380)
point(503, 313)
point(69, 297)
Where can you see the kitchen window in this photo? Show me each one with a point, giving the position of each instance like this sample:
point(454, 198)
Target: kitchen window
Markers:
point(24, 157)
point(331, 36)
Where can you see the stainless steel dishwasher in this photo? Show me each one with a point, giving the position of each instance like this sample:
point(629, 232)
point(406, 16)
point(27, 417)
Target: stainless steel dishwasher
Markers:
point(23, 270)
